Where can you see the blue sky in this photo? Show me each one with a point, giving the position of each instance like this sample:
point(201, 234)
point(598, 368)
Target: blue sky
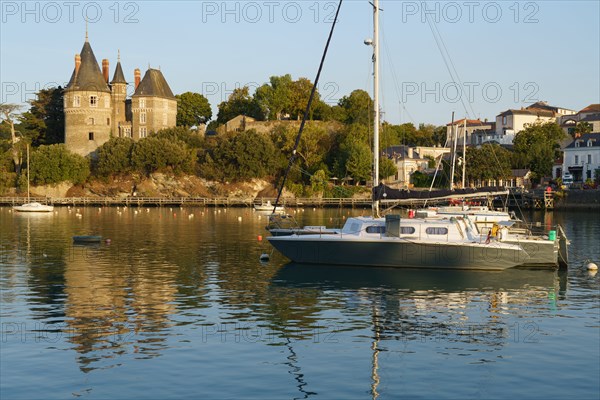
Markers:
point(507, 54)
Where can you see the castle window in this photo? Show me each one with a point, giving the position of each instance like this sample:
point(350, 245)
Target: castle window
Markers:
point(142, 118)
point(142, 103)
point(165, 119)
point(166, 104)
point(91, 121)
point(143, 132)
point(93, 101)
point(107, 121)
point(91, 135)
point(106, 102)
point(76, 101)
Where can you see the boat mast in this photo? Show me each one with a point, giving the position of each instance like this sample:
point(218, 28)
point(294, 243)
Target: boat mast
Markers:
point(464, 161)
point(28, 201)
point(376, 103)
point(453, 133)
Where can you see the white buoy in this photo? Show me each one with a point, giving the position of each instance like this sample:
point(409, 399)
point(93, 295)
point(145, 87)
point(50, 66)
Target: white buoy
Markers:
point(240, 219)
point(264, 257)
point(591, 266)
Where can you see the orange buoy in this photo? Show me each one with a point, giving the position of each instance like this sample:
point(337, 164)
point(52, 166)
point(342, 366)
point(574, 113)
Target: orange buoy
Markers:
point(259, 238)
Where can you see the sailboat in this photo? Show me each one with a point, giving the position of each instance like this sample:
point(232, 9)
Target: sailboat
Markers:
point(32, 206)
point(453, 243)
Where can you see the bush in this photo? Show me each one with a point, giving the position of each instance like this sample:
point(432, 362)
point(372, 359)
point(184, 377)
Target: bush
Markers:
point(114, 157)
point(55, 164)
point(154, 154)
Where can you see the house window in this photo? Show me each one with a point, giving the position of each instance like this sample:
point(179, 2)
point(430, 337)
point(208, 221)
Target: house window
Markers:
point(436, 231)
point(91, 135)
point(577, 143)
point(589, 159)
point(576, 160)
point(142, 103)
point(504, 120)
point(93, 101)
point(588, 174)
point(91, 121)
point(76, 101)
point(143, 132)
point(589, 143)
point(142, 118)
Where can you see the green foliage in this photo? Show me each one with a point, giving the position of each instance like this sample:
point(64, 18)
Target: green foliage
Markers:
point(239, 103)
point(357, 108)
point(387, 167)
point(583, 127)
point(241, 156)
point(421, 180)
point(44, 123)
point(193, 109)
point(318, 181)
point(55, 164)
point(192, 139)
point(537, 146)
point(491, 161)
point(154, 154)
point(358, 162)
point(283, 96)
point(114, 157)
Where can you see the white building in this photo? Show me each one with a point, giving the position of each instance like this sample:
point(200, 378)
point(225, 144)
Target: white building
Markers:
point(410, 159)
point(582, 157)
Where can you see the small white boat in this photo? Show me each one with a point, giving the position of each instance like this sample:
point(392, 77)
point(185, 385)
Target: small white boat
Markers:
point(34, 207)
point(268, 207)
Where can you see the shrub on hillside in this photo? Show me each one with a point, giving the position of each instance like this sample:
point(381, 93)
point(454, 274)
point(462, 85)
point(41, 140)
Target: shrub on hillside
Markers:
point(55, 164)
point(155, 154)
point(114, 157)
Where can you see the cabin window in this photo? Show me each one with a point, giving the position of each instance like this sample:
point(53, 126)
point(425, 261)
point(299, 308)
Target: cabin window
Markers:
point(91, 135)
point(376, 229)
point(142, 118)
point(93, 101)
point(407, 230)
point(436, 231)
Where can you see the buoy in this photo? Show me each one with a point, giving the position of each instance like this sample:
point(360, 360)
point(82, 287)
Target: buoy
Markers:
point(107, 241)
point(239, 218)
point(264, 257)
point(591, 266)
point(259, 238)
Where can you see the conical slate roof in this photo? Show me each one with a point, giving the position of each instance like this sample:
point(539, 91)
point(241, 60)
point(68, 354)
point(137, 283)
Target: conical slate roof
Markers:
point(154, 84)
point(119, 77)
point(89, 77)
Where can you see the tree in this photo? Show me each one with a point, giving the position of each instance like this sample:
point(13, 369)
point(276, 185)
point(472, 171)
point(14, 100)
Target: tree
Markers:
point(154, 154)
point(538, 145)
point(274, 97)
point(114, 157)
point(193, 109)
point(358, 162)
point(488, 162)
point(239, 103)
point(387, 167)
point(44, 123)
point(358, 107)
point(54, 164)
point(583, 127)
point(7, 112)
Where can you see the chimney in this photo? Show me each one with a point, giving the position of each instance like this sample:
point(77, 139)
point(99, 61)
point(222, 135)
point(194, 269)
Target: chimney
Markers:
point(137, 77)
point(77, 63)
point(410, 152)
point(105, 69)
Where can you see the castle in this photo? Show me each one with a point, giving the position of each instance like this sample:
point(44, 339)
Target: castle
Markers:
point(96, 109)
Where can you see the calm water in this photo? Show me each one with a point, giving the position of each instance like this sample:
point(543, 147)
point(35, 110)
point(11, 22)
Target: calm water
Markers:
point(180, 307)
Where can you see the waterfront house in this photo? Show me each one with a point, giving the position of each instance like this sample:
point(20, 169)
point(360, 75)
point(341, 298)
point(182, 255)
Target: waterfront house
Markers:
point(582, 157)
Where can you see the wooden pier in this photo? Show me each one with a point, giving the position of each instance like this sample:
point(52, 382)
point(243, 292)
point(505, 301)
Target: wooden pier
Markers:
point(133, 201)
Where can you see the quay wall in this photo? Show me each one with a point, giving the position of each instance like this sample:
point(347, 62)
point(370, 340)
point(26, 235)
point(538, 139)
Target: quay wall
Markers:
point(578, 200)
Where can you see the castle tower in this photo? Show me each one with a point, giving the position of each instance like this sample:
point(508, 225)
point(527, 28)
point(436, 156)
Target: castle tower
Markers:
point(120, 126)
point(87, 104)
point(153, 105)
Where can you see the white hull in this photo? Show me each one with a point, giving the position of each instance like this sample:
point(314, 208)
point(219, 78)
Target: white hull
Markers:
point(34, 207)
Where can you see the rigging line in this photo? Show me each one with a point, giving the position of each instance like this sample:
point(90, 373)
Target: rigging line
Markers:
point(454, 68)
point(445, 58)
point(307, 110)
point(394, 75)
